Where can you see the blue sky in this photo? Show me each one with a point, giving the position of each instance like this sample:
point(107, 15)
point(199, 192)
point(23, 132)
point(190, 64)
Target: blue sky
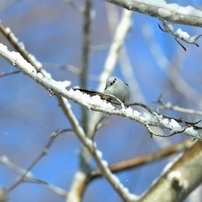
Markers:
point(52, 31)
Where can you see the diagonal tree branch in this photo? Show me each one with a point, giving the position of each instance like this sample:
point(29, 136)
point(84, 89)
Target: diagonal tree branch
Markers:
point(95, 103)
point(160, 9)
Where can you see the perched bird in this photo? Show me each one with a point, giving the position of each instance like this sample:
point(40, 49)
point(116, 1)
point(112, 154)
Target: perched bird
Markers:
point(118, 88)
point(114, 86)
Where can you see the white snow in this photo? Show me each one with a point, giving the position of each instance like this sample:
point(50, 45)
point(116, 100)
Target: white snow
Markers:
point(99, 154)
point(136, 113)
point(175, 125)
point(164, 12)
point(193, 132)
point(8, 30)
point(37, 63)
point(63, 84)
point(149, 117)
point(129, 111)
point(165, 121)
point(171, 27)
point(94, 101)
point(182, 34)
point(173, 175)
point(14, 38)
point(176, 175)
point(173, 7)
point(105, 163)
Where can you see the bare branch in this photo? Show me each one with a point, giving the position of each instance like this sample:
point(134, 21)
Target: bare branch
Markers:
point(29, 176)
point(9, 73)
point(169, 106)
point(75, 6)
point(143, 159)
point(43, 153)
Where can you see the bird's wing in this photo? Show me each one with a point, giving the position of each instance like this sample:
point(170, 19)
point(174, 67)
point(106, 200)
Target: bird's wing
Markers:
point(110, 98)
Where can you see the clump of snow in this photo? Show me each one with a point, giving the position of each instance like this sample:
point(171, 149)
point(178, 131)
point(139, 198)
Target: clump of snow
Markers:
point(129, 111)
point(176, 176)
point(91, 100)
point(149, 117)
point(99, 154)
point(8, 30)
point(14, 38)
point(64, 84)
point(173, 175)
point(171, 27)
point(182, 34)
point(175, 125)
point(165, 121)
point(136, 113)
point(78, 94)
point(96, 99)
point(40, 75)
point(20, 60)
point(22, 46)
point(164, 12)
point(105, 163)
point(14, 55)
point(3, 48)
point(192, 132)
point(107, 105)
point(37, 63)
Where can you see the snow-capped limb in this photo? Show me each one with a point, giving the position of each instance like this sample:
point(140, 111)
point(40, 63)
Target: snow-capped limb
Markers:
point(20, 47)
point(179, 34)
point(18, 61)
point(95, 103)
point(160, 9)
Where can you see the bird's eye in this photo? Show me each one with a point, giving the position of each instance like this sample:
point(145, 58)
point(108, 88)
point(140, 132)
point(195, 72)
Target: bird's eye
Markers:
point(113, 82)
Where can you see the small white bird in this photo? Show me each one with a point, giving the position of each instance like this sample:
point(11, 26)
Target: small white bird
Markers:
point(118, 88)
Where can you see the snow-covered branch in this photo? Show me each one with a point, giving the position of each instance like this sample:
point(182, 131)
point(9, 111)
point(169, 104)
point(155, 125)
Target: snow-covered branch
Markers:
point(151, 118)
point(160, 9)
point(59, 88)
point(179, 34)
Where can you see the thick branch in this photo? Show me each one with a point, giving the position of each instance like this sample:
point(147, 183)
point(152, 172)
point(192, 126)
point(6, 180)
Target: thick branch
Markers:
point(179, 180)
point(160, 9)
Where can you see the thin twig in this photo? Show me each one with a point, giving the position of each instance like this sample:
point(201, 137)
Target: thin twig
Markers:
point(40, 156)
point(9, 73)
